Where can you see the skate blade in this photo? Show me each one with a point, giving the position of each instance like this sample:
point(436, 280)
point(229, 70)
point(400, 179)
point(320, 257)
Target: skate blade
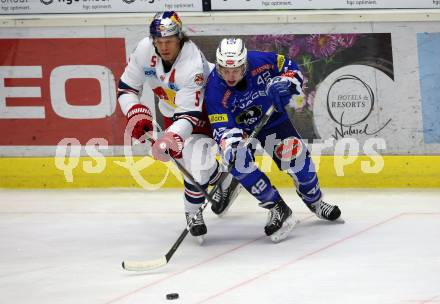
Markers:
point(231, 201)
point(200, 239)
point(284, 231)
point(339, 220)
point(221, 214)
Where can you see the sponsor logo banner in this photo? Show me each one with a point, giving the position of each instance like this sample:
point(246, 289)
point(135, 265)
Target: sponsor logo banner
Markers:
point(12, 7)
point(52, 89)
point(356, 103)
point(320, 4)
point(214, 118)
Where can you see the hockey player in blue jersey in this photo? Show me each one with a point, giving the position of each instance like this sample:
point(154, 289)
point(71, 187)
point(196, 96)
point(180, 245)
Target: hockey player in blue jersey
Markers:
point(239, 91)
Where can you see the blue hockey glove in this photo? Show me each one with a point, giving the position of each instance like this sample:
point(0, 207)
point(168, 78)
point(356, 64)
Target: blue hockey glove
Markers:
point(281, 89)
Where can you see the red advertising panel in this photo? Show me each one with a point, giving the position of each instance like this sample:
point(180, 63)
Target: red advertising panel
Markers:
point(54, 88)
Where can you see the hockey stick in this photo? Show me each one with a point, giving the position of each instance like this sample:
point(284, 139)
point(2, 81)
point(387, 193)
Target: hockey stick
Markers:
point(153, 264)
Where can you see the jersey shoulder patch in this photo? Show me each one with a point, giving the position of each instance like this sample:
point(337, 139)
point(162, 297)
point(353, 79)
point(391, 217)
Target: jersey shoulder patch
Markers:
point(280, 62)
point(199, 79)
point(190, 65)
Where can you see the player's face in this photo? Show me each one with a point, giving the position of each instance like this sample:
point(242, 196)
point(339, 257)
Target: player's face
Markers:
point(232, 76)
point(168, 48)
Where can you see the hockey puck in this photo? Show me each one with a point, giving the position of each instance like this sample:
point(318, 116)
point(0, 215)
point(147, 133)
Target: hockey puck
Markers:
point(172, 296)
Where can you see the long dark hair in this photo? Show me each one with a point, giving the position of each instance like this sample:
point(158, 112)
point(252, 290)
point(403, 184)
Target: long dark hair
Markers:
point(184, 39)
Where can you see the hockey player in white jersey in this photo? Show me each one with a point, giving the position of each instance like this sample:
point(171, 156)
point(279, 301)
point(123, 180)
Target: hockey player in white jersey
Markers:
point(176, 71)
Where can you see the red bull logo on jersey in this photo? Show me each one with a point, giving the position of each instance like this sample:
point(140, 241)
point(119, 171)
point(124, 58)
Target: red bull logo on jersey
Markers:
point(199, 79)
point(289, 149)
point(165, 95)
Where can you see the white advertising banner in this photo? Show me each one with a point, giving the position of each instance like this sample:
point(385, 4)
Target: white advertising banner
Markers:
point(320, 4)
point(12, 7)
point(375, 83)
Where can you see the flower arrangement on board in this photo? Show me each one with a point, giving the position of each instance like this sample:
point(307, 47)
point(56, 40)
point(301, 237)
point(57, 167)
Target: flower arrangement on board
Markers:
point(315, 54)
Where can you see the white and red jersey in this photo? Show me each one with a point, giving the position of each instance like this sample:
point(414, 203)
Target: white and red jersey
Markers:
point(180, 90)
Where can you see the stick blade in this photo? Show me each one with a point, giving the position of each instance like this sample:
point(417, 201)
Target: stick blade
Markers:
point(144, 265)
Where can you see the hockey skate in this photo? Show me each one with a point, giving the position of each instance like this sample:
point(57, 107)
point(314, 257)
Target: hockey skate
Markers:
point(326, 211)
point(280, 221)
point(198, 228)
point(225, 195)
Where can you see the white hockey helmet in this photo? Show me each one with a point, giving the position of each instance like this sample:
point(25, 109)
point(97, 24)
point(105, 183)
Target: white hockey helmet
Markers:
point(231, 53)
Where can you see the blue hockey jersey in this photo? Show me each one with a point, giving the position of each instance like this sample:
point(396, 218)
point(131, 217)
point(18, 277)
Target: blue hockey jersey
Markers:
point(228, 107)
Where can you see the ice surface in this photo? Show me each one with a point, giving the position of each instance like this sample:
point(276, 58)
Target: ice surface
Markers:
point(66, 246)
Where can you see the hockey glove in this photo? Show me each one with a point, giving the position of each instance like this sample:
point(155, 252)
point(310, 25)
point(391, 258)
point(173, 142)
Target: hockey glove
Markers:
point(281, 89)
point(229, 145)
point(169, 145)
point(139, 119)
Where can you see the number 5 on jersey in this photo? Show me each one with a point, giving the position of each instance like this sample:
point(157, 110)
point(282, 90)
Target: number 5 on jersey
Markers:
point(197, 98)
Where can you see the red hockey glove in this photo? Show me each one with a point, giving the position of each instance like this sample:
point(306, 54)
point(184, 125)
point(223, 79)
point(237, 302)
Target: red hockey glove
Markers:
point(140, 116)
point(169, 145)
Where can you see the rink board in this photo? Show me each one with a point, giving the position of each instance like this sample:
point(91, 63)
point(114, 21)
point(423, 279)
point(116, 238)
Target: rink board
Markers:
point(397, 172)
point(382, 79)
